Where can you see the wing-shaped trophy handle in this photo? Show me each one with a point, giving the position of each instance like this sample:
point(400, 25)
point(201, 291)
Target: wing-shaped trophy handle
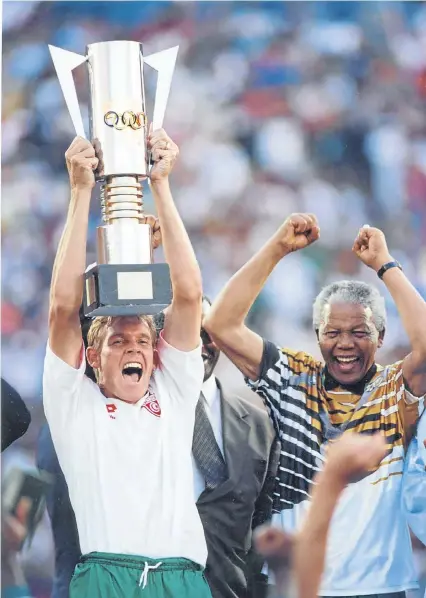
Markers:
point(163, 62)
point(64, 62)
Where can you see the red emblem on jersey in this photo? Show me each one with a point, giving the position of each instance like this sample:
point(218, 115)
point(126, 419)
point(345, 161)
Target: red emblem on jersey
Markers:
point(111, 408)
point(152, 405)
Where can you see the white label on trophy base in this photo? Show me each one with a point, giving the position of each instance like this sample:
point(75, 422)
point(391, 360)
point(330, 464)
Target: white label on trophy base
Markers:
point(134, 285)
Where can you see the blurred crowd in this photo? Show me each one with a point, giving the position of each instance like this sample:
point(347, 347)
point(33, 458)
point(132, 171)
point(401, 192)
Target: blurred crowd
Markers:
point(277, 107)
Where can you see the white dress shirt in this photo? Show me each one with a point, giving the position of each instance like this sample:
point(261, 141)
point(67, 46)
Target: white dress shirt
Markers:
point(213, 409)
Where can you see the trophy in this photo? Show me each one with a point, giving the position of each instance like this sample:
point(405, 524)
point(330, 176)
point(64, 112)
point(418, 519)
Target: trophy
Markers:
point(124, 281)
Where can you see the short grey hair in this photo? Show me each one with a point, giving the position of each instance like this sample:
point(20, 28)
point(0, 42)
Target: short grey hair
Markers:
point(351, 291)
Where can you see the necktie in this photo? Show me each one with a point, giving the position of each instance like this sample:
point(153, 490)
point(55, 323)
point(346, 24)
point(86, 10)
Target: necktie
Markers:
point(205, 449)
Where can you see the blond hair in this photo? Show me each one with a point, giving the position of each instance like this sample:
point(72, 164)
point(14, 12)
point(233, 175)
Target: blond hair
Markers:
point(97, 331)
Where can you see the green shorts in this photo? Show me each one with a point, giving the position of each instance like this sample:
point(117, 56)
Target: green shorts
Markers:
point(107, 575)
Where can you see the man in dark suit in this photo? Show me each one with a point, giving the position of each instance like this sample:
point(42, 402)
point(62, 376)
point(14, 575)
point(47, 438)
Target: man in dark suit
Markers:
point(240, 503)
point(235, 460)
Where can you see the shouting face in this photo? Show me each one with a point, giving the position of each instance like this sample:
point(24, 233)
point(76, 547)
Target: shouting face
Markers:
point(348, 341)
point(125, 359)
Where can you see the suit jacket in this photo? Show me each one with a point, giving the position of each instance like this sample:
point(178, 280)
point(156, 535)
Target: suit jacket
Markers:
point(229, 513)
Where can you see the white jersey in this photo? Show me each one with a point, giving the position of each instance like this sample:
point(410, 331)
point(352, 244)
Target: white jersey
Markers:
point(129, 466)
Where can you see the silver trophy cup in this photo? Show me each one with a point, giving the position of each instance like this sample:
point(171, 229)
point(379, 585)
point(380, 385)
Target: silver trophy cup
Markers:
point(124, 281)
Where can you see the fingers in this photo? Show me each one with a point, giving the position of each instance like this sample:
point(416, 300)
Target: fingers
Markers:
point(154, 223)
point(80, 145)
point(353, 455)
point(83, 161)
point(82, 153)
point(362, 239)
point(366, 233)
point(303, 223)
point(100, 156)
point(313, 234)
point(151, 220)
point(156, 137)
point(160, 154)
point(374, 449)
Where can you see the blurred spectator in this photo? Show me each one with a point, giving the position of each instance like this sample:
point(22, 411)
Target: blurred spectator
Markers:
point(15, 417)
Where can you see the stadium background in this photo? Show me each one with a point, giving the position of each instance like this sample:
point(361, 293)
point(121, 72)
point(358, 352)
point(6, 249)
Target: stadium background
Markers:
point(277, 107)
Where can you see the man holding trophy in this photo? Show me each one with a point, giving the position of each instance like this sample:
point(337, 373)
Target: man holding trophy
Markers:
point(124, 444)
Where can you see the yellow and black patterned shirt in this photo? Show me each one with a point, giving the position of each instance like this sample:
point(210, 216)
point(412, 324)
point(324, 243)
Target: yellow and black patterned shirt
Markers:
point(368, 545)
point(294, 390)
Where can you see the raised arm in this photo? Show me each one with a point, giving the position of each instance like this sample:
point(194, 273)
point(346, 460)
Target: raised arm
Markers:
point(66, 289)
point(183, 317)
point(348, 460)
point(226, 320)
point(302, 556)
point(371, 248)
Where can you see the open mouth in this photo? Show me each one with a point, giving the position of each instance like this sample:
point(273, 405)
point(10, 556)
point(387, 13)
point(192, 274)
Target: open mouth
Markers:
point(132, 371)
point(346, 363)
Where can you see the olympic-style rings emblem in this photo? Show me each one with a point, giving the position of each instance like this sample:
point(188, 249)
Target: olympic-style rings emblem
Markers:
point(127, 119)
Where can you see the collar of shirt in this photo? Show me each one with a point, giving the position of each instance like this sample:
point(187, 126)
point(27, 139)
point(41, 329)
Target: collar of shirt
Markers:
point(121, 402)
point(210, 391)
point(357, 388)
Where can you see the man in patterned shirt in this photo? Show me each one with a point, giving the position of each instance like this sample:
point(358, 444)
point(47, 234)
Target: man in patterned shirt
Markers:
point(311, 403)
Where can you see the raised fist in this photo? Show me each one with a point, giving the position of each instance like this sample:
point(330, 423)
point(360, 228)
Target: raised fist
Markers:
point(81, 163)
point(163, 153)
point(371, 248)
point(353, 456)
point(297, 232)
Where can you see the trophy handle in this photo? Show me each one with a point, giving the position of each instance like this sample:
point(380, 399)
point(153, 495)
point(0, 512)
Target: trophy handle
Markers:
point(64, 62)
point(164, 63)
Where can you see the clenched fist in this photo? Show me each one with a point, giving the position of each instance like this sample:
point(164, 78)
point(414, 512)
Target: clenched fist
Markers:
point(371, 248)
point(297, 232)
point(81, 163)
point(352, 456)
point(163, 153)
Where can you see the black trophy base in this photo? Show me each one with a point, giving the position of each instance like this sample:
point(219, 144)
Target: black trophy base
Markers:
point(126, 289)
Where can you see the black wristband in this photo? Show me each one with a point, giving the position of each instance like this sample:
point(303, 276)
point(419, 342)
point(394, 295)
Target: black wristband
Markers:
point(388, 266)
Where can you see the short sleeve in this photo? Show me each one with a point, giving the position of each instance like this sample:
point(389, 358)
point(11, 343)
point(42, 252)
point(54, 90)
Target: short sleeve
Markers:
point(285, 379)
point(409, 406)
point(62, 386)
point(182, 371)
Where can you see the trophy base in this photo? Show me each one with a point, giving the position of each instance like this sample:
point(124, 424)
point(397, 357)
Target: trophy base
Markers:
point(126, 289)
